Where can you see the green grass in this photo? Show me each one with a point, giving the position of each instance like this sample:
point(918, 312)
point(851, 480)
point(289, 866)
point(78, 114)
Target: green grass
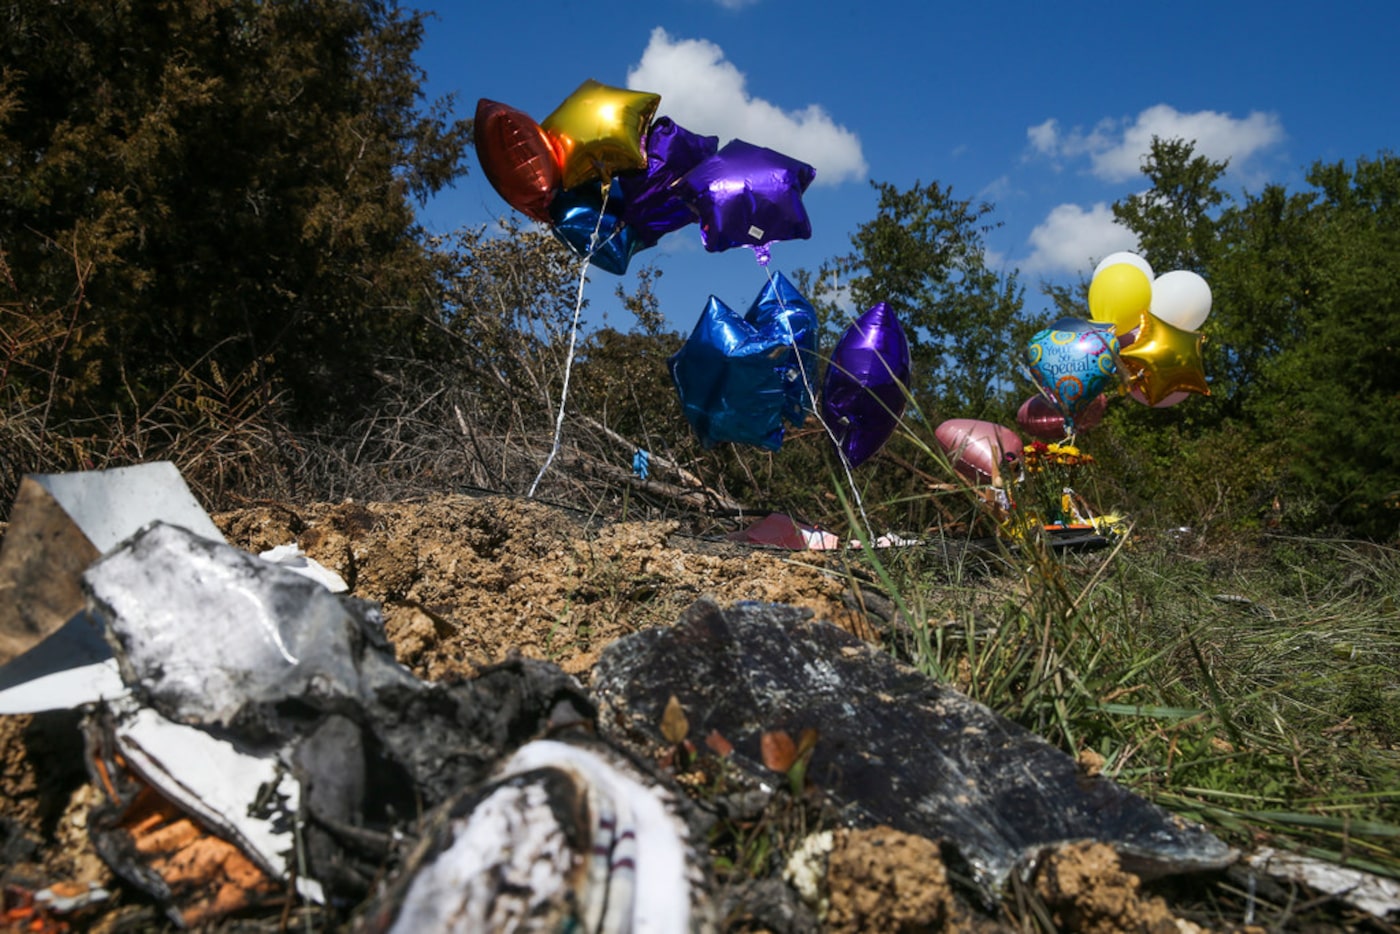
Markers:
point(1255, 688)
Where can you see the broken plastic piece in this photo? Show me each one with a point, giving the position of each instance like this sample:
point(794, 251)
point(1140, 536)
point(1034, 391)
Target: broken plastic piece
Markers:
point(292, 557)
point(155, 844)
point(73, 666)
point(209, 778)
point(59, 524)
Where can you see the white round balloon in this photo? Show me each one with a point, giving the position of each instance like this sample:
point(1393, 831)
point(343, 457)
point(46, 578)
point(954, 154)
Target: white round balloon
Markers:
point(1132, 259)
point(1181, 298)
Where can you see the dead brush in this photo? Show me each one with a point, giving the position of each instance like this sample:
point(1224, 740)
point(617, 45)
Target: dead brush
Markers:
point(222, 431)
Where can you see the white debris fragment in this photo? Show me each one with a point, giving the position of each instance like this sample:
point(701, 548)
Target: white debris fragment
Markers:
point(1375, 895)
point(805, 870)
point(292, 557)
point(72, 667)
point(564, 837)
point(216, 781)
point(109, 505)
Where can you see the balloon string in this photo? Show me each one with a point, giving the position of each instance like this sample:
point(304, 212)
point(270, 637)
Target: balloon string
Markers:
point(812, 397)
point(593, 245)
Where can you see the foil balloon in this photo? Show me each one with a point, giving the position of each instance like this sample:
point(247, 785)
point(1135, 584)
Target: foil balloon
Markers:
point(746, 195)
point(1171, 399)
point(592, 227)
point(863, 393)
point(516, 157)
point(737, 378)
point(654, 206)
point(1072, 362)
point(1119, 294)
point(782, 311)
point(983, 452)
point(1040, 419)
point(598, 131)
point(1164, 359)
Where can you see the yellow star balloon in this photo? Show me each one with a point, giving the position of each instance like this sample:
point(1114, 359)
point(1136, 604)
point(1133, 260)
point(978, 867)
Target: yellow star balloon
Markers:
point(599, 130)
point(1164, 359)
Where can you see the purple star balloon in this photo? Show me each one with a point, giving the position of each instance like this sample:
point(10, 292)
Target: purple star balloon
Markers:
point(863, 394)
point(747, 195)
point(654, 205)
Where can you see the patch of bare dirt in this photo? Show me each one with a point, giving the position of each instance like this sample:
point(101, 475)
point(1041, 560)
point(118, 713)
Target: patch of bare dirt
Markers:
point(884, 880)
point(466, 581)
point(1087, 890)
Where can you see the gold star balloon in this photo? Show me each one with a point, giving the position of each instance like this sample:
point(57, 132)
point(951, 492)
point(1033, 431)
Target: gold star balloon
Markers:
point(599, 130)
point(1164, 359)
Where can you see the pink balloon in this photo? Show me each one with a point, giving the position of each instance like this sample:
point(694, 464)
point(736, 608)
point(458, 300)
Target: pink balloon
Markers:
point(980, 451)
point(1039, 419)
point(1169, 400)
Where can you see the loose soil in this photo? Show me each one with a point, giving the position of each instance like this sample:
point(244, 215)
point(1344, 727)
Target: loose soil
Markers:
point(464, 582)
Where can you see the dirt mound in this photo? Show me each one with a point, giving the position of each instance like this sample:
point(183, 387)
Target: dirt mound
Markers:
point(466, 581)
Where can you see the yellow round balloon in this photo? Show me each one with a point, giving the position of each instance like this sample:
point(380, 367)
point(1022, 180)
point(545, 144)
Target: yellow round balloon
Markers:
point(1118, 295)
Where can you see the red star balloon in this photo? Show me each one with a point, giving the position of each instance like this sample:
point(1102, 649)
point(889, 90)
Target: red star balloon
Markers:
point(599, 130)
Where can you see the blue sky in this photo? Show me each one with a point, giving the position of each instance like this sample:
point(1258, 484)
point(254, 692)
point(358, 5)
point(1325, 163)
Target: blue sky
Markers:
point(1042, 109)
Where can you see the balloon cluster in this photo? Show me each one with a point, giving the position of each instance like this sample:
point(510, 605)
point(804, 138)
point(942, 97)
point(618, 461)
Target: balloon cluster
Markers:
point(740, 378)
point(1142, 332)
point(611, 178)
point(1158, 322)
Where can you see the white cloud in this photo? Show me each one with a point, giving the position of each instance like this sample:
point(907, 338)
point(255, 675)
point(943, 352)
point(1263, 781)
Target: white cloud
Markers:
point(1072, 240)
point(735, 4)
point(998, 189)
point(1045, 137)
point(1116, 148)
point(706, 94)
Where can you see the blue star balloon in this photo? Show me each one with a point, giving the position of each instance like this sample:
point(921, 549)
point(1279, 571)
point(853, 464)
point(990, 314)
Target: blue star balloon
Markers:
point(780, 311)
point(574, 213)
point(738, 378)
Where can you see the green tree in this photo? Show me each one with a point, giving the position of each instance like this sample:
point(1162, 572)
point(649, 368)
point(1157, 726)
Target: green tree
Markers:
point(1263, 277)
point(924, 254)
point(1299, 347)
point(1337, 397)
point(220, 180)
point(1175, 219)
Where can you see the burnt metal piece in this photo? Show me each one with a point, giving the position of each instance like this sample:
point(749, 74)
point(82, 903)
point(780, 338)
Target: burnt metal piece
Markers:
point(896, 748)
